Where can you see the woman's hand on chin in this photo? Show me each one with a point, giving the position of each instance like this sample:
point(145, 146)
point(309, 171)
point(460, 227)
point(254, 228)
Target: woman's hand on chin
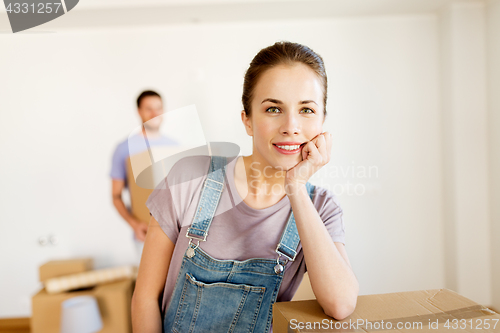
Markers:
point(315, 154)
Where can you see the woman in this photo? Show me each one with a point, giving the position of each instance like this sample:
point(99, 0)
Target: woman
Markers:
point(223, 235)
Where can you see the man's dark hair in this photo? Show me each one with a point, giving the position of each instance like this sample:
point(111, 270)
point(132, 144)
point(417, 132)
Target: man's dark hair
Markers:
point(146, 93)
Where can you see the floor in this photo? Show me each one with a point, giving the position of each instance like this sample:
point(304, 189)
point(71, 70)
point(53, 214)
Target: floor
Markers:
point(15, 325)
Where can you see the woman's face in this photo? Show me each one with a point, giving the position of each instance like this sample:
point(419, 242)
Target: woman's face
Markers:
point(286, 111)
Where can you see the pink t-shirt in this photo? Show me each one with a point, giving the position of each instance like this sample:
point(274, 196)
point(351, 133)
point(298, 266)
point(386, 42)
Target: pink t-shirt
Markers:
point(237, 232)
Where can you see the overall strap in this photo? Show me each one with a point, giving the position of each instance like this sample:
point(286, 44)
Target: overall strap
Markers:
point(290, 238)
point(210, 196)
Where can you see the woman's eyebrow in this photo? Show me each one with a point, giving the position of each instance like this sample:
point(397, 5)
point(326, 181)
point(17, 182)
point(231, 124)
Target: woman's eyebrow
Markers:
point(277, 101)
point(272, 100)
point(308, 101)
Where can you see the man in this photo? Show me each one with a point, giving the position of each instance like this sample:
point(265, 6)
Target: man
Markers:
point(149, 108)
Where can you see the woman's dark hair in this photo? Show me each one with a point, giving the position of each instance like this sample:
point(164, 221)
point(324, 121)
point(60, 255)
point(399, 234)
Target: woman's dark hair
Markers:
point(281, 53)
point(144, 94)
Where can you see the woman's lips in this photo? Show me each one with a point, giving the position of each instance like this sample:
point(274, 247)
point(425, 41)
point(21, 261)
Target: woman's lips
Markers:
point(288, 152)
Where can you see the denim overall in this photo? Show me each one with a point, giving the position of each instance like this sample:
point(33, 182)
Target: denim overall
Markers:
point(212, 295)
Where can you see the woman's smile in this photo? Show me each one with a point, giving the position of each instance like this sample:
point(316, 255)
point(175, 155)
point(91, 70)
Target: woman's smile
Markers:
point(288, 148)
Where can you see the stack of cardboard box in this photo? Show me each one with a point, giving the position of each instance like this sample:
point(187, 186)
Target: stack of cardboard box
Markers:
point(114, 299)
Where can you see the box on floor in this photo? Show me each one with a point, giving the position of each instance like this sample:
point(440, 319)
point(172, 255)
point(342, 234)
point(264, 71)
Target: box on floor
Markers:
point(423, 311)
point(114, 300)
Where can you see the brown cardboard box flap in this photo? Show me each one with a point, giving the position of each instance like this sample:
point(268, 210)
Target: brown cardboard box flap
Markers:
point(57, 268)
point(440, 310)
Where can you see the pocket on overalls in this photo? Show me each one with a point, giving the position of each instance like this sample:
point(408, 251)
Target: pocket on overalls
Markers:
point(217, 307)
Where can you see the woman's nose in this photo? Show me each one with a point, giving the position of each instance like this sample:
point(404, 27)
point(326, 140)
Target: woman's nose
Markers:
point(291, 125)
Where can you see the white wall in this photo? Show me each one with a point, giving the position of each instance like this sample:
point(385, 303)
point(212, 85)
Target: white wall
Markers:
point(67, 98)
point(493, 53)
point(465, 147)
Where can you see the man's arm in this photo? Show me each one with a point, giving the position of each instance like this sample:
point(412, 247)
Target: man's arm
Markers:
point(139, 228)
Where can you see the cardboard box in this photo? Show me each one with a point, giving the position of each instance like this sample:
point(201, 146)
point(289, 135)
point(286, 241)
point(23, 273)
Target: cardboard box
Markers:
point(423, 311)
point(139, 195)
point(56, 268)
point(147, 169)
point(114, 301)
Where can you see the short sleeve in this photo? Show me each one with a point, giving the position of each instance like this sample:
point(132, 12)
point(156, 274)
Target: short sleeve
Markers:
point(331, 213)
point(162, 207)
point(118, 167)
point(173, 196)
